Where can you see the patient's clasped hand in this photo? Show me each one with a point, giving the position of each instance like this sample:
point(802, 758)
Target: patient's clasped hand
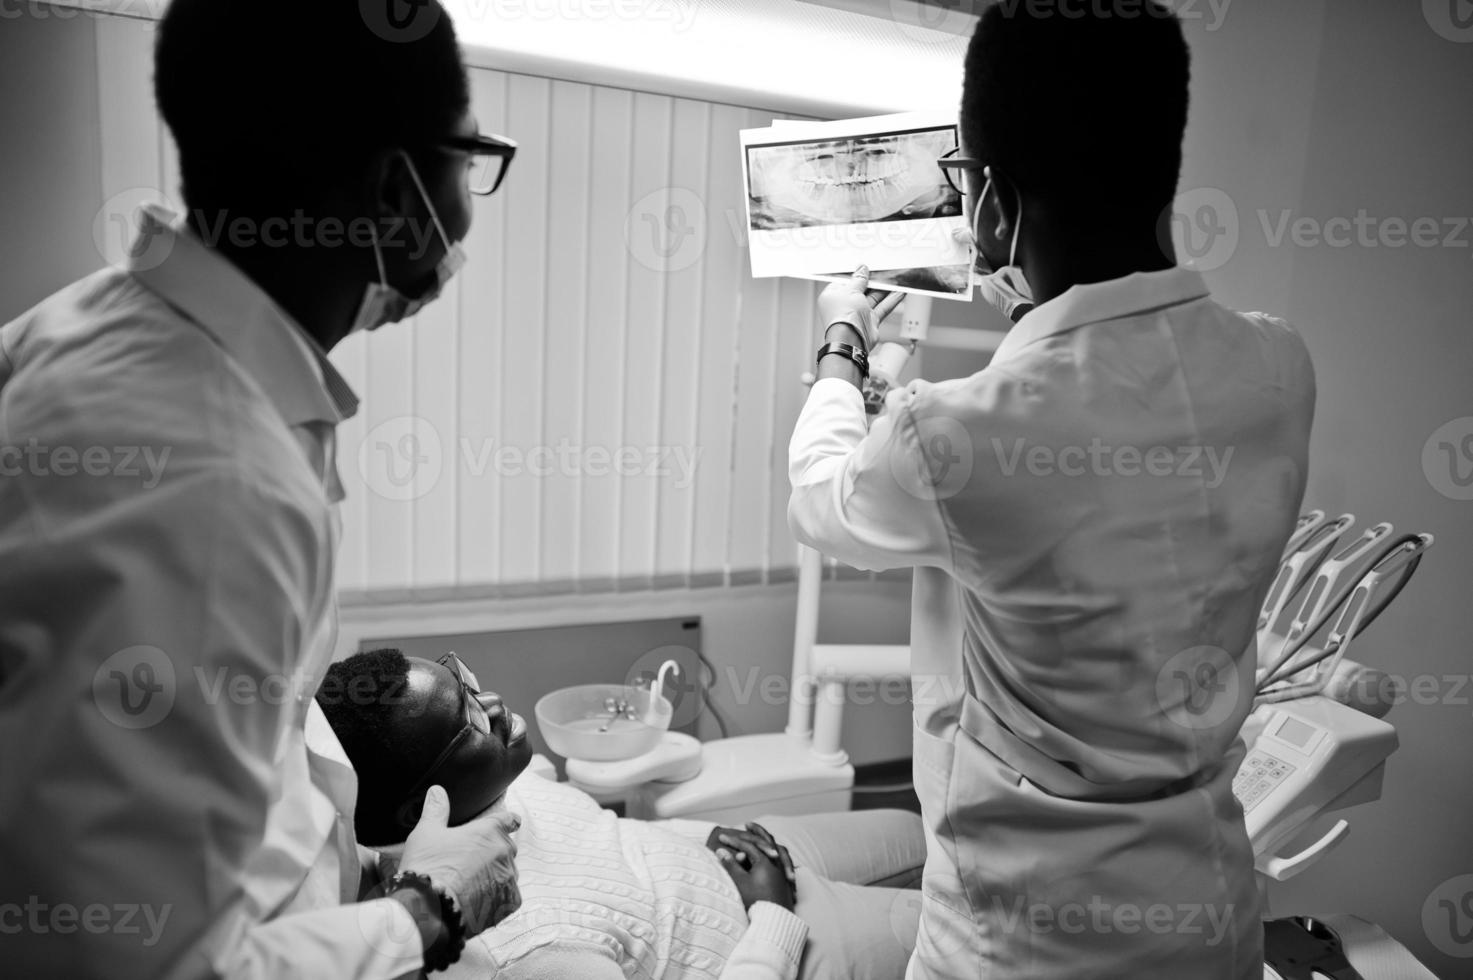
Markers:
point(606, 897)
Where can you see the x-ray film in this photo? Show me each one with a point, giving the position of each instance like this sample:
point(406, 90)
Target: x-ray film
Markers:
point(825, 198)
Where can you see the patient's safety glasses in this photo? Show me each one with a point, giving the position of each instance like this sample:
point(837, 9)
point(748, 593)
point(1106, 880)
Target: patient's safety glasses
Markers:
point(949, 161)
point(476, 720)
point(490, 160)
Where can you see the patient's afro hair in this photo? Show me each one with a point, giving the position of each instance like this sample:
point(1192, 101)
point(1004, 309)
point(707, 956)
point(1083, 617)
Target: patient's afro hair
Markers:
point(366, 699)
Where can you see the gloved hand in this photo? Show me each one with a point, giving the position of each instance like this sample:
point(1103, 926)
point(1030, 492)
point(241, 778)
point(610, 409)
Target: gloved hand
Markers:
point(473, 862)
point(853, 302)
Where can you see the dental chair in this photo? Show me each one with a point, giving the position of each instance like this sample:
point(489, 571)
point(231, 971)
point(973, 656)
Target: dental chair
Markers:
point(1317, 739)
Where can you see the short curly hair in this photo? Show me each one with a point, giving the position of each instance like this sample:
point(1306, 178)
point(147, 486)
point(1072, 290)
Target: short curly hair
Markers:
point(271, 104)
point(365, 697)
point(1082, 104)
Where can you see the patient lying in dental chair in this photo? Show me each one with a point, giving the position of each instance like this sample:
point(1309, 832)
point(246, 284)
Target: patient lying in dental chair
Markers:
point(831, 895)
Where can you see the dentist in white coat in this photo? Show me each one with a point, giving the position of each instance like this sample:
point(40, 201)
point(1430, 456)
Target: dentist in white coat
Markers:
point(1093, 521)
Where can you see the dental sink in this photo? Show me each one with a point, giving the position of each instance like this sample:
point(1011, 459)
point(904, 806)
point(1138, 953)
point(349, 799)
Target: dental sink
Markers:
point(603, 722)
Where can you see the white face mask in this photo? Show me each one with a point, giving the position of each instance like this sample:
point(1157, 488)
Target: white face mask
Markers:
point(383, 303)
point(1005, 287)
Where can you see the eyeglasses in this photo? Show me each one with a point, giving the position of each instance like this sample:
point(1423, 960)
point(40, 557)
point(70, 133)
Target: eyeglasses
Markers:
point(949, 161)
point(475, 720)
point(490, 159)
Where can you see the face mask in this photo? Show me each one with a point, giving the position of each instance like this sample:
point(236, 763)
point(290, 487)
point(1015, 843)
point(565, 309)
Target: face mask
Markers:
point(383, 303)
point(1004, 288)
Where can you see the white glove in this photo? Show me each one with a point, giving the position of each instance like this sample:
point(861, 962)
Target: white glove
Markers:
point(850, 302)
point(474, 862)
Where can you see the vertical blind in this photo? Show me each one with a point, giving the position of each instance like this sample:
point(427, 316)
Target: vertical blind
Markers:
point(603, 396)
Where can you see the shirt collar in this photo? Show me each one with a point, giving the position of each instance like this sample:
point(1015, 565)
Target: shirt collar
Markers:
point(1095, 302)
point(288, 364)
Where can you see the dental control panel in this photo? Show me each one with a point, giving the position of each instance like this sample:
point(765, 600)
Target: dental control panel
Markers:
point(1305, 758)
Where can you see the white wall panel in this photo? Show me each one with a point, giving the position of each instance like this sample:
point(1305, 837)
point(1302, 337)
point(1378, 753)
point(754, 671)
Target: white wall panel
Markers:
point(481, 359)
point(385, 467)
point(351, 358)
point(434, 538)
point(723, 262)
point(675, 234)
point(522, 379)
point(607, 285)
point(644, 352)
point(132, 167)
point(751, 512)
point(794, 342)
point(566, 369)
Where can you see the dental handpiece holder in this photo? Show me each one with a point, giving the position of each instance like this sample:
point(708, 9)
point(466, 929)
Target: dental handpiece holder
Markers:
point(1316, 739)
point(889, 358)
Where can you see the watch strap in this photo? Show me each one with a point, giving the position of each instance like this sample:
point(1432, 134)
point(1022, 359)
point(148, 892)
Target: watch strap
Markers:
point(854, 354)
point(448, 945)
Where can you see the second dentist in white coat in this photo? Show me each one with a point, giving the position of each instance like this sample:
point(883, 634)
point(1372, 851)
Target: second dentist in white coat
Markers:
point(1093, 519)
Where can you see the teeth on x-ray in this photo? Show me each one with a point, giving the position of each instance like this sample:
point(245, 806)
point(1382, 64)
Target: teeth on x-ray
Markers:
point(847, 181)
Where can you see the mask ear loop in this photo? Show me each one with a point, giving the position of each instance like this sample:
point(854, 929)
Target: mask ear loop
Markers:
point(977, 212)
point(1017, 227)
point(414, 174)
point(378, 256)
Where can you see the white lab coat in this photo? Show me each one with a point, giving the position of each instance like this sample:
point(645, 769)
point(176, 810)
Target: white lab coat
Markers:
point(167, 535)
point(1083, 619)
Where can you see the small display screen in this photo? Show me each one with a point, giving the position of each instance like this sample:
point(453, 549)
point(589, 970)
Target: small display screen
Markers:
point(1295, 732)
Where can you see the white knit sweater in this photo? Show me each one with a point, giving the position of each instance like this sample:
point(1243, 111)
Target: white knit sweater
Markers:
point(604, 897)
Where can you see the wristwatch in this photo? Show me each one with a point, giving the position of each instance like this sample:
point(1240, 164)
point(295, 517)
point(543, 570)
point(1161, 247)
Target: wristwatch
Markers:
point(448, 945)
point(855, 354)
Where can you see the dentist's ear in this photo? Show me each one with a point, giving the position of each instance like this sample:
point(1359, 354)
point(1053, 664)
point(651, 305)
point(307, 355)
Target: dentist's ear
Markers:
point(391, 190)
point(1002, 190)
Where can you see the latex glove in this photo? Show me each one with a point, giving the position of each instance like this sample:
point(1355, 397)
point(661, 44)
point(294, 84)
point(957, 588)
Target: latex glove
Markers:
point(851, 301)
point(473, 862)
